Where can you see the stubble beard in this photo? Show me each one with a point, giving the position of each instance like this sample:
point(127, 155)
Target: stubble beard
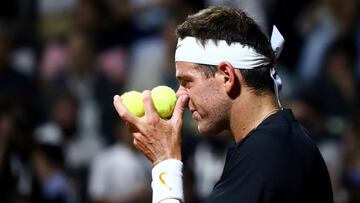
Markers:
point(213, 124)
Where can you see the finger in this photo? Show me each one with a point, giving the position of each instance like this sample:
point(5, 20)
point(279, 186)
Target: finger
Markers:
point(140, 137)
point(143, 149)
point(177, 117)
point(123, 112)
point(140, 142)
point(149, 105)
point(139, 145)
point(181, 91)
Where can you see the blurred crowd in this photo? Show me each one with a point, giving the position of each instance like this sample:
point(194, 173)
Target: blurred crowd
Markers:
point(61, 63)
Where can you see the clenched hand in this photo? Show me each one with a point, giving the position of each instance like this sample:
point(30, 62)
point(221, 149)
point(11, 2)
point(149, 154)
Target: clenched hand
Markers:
point(156, 138)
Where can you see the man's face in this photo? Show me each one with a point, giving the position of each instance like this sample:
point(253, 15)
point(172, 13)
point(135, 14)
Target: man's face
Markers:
point(207, 103)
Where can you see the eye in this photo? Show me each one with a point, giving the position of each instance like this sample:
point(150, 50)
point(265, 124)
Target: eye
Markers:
point(185, 83)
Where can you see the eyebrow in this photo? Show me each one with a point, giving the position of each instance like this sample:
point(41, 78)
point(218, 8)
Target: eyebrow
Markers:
point(182, 77)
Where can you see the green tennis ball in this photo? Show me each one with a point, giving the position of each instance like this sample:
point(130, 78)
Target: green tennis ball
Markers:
point(164, 99)
point(133, 102)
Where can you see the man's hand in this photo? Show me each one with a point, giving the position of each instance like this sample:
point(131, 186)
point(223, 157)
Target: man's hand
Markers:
point(156, 138)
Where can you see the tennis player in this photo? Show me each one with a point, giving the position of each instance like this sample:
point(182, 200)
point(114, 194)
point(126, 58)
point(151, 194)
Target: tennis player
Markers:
point(225, 66)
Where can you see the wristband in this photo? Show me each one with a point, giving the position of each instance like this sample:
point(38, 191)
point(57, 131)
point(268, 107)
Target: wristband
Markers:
point(167, 181)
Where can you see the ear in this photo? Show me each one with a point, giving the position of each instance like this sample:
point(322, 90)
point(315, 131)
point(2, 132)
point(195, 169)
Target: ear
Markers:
point(227, 75)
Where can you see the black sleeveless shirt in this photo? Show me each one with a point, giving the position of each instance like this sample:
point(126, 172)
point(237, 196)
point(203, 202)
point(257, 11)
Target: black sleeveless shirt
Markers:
point(275, 163)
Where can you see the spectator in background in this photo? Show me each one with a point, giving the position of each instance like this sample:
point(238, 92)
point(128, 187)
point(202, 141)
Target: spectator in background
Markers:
point(51, 184)
point(351, 150)
point(322, 24)
point(94, 18)
point(121, 16)
point(81, 78)
point(254, 8)
point(78, 150)
point(150, 15)
point(332, 152)
point(64, 112)
point(208, 162)
point(333, 95)
point(119, 173)
point(15, 148)
point(18, 115)
point(89, 15)
point(326, 105)
point(86, 15)
point(16, 89)
point(53, 18)
point(8, 180)
point(152, 58)
point(53, 61)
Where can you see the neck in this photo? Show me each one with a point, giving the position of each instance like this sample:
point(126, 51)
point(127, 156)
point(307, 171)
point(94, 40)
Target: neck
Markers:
point(249, 111)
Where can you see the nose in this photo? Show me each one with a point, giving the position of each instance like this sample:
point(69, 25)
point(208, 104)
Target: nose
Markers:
point(181, 91)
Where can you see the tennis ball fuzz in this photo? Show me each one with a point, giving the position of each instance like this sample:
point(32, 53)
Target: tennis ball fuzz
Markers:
point(164, 99)
point(133, 102)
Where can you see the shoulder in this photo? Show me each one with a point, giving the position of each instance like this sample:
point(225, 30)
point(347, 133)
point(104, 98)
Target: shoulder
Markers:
point(279, 142)
point(282, 129)
point(277, 156)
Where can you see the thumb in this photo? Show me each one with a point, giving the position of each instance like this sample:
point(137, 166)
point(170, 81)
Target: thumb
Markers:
point(177, 117)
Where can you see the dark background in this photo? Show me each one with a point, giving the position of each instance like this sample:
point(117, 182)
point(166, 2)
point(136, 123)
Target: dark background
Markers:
point(61, 63)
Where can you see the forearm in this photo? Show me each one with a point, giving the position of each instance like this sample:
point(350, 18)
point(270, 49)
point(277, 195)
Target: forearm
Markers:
point(167, 183)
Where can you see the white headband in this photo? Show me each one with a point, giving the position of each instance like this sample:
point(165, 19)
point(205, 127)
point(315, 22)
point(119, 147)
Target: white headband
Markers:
point(240, 56)
point(191, 50)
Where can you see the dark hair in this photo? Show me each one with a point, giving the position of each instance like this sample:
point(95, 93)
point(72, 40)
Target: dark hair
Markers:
point(232, 25)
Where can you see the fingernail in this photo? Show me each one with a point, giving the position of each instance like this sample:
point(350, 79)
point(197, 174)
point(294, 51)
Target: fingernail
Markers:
point(116, 97)
point(146, 92)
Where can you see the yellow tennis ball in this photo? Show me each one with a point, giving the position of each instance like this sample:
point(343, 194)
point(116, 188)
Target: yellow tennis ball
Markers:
point(164, 99)
point(133, 102)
